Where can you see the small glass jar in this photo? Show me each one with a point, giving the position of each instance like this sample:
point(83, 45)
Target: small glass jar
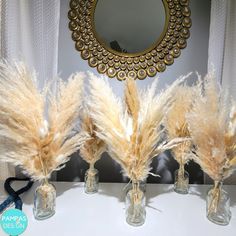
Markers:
point(181, 182)
point(218, 205)
point(91, 181)
point(135, 206)
point(44, 200)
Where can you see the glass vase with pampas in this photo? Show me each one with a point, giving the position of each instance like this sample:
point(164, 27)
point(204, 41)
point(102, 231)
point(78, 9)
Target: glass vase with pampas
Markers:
point(135, 205)
point(215, 144)
point(176, 126)
point(218, 204)
point(40, 146)
point(91, 180)
point(91, 151)
point(131, 131)
point(181, 184)
point(44, 200)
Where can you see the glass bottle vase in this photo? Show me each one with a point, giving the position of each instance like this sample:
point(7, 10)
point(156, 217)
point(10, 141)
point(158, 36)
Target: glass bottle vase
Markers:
point(135, 206)
point(218, 205)
point(181, 181)
point(44, 200)
point(91, 180)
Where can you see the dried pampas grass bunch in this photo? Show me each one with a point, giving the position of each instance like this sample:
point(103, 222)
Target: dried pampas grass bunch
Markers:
point(39, 140)
point(176, 124)
point(92, 149)
point(213, 130)
point(132, 130)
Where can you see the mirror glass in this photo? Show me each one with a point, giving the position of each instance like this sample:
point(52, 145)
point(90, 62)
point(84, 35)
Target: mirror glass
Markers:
point(129, 26)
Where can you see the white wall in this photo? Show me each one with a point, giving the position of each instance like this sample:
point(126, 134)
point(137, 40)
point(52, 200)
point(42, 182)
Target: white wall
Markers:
point(193, 58)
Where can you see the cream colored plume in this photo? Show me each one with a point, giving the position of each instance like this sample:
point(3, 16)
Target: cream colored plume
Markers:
point(212, 127)
point(176, 123)
point(28, 138)
point(92, 149)
point(132, 129)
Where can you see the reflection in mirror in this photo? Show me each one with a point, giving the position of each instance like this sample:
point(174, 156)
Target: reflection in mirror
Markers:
point(129, 26)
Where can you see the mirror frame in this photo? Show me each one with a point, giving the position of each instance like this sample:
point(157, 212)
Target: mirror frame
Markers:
point(130, 65)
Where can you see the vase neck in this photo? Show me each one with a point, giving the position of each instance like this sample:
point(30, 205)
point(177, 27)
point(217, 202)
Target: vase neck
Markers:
point(45, 181)
point(181, 170)
point(218, 184)
point(136, 184)
point(91, 166)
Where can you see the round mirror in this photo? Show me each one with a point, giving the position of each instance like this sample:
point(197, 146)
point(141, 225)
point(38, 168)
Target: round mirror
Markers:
point(129, 26)
point(130, 38)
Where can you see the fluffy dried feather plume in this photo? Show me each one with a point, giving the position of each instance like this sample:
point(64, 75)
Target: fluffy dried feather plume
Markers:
point(213, 129)
point(93, 148)
point(176, 123)
point(27, 138)
point(131, 129)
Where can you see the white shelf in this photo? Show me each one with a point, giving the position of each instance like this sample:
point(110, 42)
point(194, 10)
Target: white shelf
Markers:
point(103, 214)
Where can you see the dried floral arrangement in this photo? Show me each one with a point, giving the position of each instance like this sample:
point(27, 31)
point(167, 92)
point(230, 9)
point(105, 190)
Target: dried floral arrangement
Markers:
point(39, 140)
point(212, 127)
point(176, 125)
point(93, 148)
point(132, 130)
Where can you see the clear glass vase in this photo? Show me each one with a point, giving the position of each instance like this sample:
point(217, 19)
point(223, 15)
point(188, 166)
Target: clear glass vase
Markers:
point(44, 200)
point(91, 180)
point(218, 205)
point(135, 206)
point(181, 181)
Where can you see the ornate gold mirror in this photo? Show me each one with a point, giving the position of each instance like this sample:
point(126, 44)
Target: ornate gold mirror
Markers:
point(129, 38)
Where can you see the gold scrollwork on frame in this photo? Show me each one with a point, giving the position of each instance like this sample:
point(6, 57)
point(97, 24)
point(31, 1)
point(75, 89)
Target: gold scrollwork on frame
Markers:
point(134, 65)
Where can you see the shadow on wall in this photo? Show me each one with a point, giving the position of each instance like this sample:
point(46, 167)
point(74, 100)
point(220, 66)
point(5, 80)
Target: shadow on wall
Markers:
point(109, 171)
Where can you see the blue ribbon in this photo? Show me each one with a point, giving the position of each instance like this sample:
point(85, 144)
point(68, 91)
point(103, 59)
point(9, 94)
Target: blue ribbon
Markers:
point(14, 195)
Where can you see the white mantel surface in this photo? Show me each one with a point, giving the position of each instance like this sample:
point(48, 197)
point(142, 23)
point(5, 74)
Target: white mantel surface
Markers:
point(103, 214)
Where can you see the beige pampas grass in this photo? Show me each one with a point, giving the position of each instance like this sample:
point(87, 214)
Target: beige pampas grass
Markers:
point(176, 123)
point(212, 127)
point(131, 130)
point(93, 148)
point(28, 138)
